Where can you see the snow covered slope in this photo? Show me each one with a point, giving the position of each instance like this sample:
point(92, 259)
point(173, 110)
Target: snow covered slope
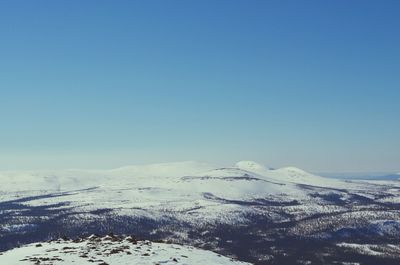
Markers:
point(111, 250)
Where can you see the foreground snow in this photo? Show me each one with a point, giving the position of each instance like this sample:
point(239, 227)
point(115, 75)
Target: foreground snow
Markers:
point(111, 250)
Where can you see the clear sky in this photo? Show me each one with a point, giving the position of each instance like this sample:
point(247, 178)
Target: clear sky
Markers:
point(101, 84)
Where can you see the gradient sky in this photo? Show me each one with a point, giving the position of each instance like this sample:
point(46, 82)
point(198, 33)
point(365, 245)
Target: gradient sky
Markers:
point(101, 84)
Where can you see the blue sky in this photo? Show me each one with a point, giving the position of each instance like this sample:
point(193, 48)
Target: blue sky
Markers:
point(101, 84)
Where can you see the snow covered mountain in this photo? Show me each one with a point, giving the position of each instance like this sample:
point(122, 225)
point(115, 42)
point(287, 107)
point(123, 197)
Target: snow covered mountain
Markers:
point(156, 190)
point(78, 179)
point(243, 211)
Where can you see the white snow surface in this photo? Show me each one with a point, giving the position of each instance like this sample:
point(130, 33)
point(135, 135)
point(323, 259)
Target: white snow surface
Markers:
point(108, 250)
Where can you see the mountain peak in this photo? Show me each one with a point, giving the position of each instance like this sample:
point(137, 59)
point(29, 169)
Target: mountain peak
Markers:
point(250, 165)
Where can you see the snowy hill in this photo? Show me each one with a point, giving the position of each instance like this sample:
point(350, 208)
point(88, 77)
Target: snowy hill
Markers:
point(197, 204)
point(112, 250)
point(79, 179)
point(159, 189)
